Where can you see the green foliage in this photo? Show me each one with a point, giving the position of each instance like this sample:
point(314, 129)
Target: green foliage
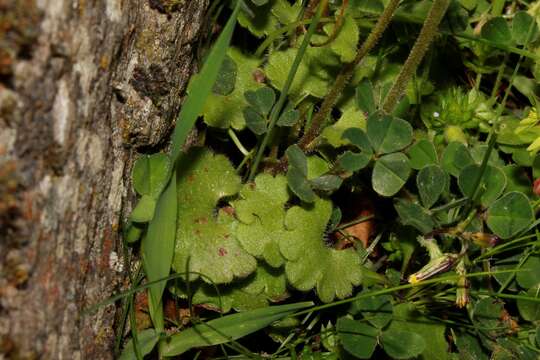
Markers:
point(262, 227)
point(371, 161)
point(312, 264)
point(207, 243)
point(227, 328)
point(224, 111)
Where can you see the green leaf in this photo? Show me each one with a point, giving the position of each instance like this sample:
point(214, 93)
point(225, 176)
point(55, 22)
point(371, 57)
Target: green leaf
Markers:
point(227, 328)
point(358, 138)
point(487, 312)
point(261, 227)
point(537, 336)
point(285, 12)
point(524, 28)
point(469, 347)
point(207, 243)
point(344, 44)
point(491, 185)
point(133, 232)
point(509, 215)
point(350, 118)
point(255, 122)
point(288, 117)
point(147, 339)
point(431, 182)
point(402, 344)
point(414, 215)
point(388, 134)
point(150, 174)
point(377, 310)
point(529, 276)
point(518, 179)
point(259, 2)
point(364, 97)
point(497, 31)
point(390, 174)
point(297, 159)
point(358, 338)
point(254, 292)
point(326, 182)
point(353, 161)
point(300, 185)
point(408, 319)
point(144, 211)
point(261, 99)
point(455, 157)
point(310, 263)
point(529, 310)
point(261, 21)
point(224, 111)
point(313, 77)
point(157, 246)
point(422, 153)
point(226, 78)
point(200, 86)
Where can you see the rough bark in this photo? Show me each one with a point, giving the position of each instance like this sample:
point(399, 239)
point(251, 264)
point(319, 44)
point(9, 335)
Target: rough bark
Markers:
point(83, 84)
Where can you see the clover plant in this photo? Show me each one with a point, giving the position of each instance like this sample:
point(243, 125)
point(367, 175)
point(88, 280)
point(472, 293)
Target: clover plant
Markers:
point(412, 122)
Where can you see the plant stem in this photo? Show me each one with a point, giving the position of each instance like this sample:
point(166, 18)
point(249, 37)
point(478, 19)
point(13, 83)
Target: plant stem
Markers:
point(237, 142)
point(427, 34)
point(345, 75)
point(283, 95)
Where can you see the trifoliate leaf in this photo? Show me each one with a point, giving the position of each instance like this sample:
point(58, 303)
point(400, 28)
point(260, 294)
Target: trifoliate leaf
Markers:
point(254, 121)
point(388, 133)
point(261, 99)
point(510, 214)
point(408, 319)
point(497, 31)
point(390, 173)
point(364, 97)
point(344, 44)
point(314, 76)
point(358, 338)
point(422, 153)
point(310, 263)
point(326, 182)
point(350, 118)
point(288, 117)
point(352, 162)
point(206, 243)
point(226, 78)
point(261, 227)
point(431, 182)
point(224, 111)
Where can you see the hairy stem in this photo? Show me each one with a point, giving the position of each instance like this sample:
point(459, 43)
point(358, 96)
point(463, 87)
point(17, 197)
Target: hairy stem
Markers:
point(427, 34)
point(345, 75)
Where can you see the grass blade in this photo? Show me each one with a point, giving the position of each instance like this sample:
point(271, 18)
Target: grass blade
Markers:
point(227, 328)
point(201, 86)
point(157, 247)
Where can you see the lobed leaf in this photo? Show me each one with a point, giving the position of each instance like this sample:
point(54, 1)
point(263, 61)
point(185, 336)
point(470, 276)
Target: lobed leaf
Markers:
point(207, 243)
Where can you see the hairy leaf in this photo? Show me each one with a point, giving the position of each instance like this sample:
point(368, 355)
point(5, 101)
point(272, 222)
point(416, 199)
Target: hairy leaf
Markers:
point(310, 262)
point(207, 243)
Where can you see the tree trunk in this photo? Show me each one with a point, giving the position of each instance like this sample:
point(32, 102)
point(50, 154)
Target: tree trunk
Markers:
point(83, 84)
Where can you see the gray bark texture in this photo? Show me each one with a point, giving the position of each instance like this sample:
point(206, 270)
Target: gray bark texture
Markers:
point(84, 84)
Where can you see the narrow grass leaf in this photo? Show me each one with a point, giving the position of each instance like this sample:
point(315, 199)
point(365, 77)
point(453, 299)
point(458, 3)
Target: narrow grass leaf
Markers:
point(202, 85)
point(157, 246)
point(227, 328)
